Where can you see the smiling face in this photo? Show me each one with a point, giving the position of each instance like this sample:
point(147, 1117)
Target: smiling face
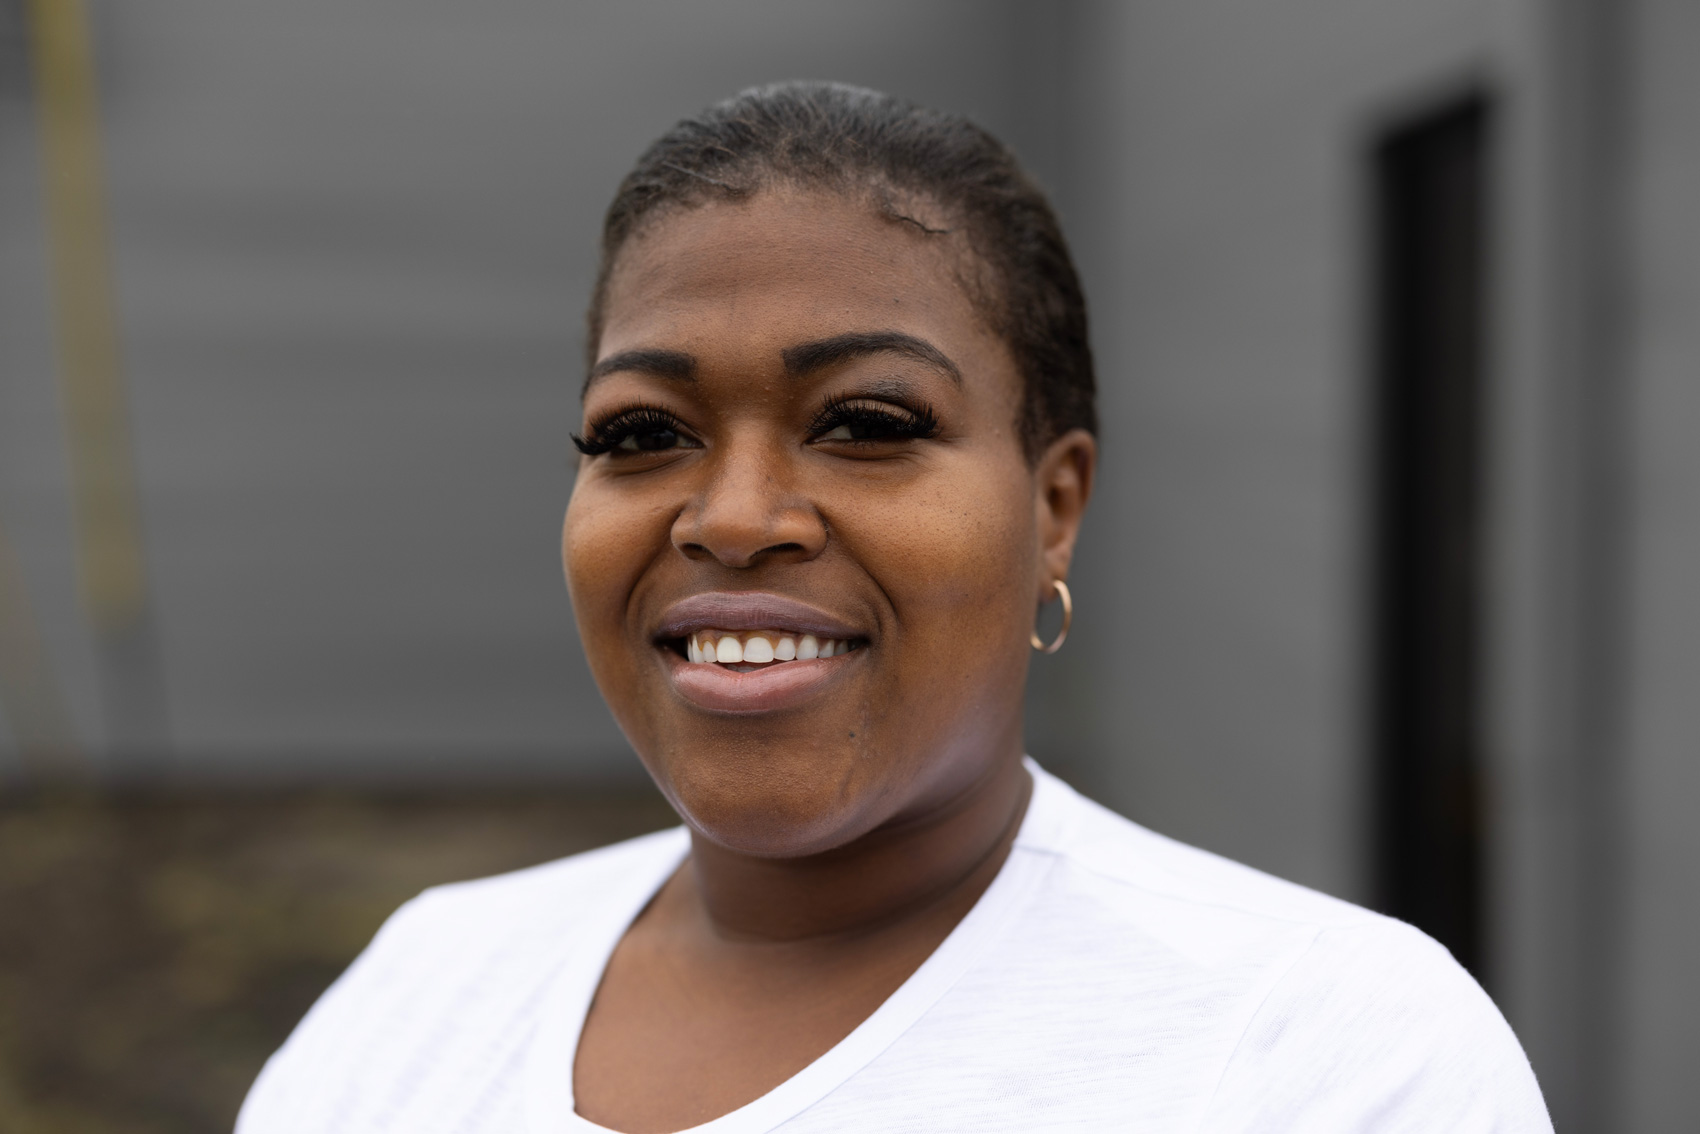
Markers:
point(803, 440)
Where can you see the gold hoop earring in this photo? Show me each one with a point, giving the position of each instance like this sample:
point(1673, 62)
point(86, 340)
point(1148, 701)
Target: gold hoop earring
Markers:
point(1068, 620)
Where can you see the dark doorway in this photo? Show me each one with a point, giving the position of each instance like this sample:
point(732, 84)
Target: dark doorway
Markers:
point(1430, 184)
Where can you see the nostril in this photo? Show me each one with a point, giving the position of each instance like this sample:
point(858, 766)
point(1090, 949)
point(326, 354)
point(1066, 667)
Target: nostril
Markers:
point(734, 557)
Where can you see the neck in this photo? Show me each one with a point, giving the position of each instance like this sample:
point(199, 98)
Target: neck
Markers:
point(897, 871)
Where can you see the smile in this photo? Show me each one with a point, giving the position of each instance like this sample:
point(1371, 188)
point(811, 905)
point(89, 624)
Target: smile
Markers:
point(761, 647)
point(754, 652)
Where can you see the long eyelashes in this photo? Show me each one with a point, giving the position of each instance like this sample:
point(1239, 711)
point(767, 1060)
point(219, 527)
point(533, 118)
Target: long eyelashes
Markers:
point(845, 418)
point(861, 419)
point(640, 423)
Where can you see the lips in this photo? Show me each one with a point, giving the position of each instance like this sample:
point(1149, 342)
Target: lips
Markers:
point(751, 652)
point(751, 610)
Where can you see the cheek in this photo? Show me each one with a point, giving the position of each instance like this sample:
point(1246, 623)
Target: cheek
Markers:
point(605, 545)
point(956, 558)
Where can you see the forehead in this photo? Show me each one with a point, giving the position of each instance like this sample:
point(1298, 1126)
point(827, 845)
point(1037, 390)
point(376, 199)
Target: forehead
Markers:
point(787, 265)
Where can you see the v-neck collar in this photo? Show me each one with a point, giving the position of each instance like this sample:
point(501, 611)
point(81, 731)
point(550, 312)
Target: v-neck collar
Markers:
point(549, 1064)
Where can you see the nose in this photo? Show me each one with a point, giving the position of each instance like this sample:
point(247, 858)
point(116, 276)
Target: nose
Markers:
point(749, 511)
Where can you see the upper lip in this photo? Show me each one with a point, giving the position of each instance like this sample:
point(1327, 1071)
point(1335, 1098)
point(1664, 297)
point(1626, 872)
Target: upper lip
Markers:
point(750, 610)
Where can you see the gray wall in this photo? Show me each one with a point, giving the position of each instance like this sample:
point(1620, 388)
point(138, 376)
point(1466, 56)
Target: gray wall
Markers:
point(1225, 271)
point(1658, 1023)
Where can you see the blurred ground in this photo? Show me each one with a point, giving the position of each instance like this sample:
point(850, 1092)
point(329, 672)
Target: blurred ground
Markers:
point(154, 949)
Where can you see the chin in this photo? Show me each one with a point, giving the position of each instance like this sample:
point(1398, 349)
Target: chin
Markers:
point(757, 801)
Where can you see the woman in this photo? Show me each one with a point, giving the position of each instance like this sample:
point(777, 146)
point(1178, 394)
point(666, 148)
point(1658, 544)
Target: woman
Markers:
point(838, 440)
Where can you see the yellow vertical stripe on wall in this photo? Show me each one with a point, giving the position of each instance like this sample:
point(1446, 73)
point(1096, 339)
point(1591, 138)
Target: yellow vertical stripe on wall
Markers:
point(109, 554)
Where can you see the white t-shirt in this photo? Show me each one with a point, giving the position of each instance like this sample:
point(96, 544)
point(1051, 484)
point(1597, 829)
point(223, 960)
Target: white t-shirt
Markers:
point(1108, 979)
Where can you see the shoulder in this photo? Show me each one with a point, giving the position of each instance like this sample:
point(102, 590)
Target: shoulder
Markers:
point(1319, 1011)
point(547, 893)
point(532, 911)
point(1127, 870)
point(1375, 1025)
point(449, 981)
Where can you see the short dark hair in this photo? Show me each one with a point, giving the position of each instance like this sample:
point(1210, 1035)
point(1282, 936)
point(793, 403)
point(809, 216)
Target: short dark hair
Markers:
point(839, 137)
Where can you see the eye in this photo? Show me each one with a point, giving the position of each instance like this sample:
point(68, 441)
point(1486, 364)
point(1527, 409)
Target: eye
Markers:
point(637, 429)
point(863, 420)
point(650, 440)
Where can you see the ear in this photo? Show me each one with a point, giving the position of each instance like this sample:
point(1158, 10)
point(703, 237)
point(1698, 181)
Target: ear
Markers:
point(1062, 484)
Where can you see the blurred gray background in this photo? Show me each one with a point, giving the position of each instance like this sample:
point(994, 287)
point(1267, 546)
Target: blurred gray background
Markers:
point(346, 253)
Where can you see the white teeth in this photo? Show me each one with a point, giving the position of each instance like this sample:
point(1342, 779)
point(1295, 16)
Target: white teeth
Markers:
point(760, 647)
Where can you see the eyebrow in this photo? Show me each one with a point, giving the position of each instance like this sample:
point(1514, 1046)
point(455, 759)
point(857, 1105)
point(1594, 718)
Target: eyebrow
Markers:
point(806, 358)
point(672, 364)
point(800, 361)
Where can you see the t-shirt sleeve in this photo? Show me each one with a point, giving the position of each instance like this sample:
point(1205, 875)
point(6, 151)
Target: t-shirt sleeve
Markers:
point(1377, 1028)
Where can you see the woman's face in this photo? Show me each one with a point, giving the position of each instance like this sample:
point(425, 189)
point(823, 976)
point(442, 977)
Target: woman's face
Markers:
point(806, 445)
